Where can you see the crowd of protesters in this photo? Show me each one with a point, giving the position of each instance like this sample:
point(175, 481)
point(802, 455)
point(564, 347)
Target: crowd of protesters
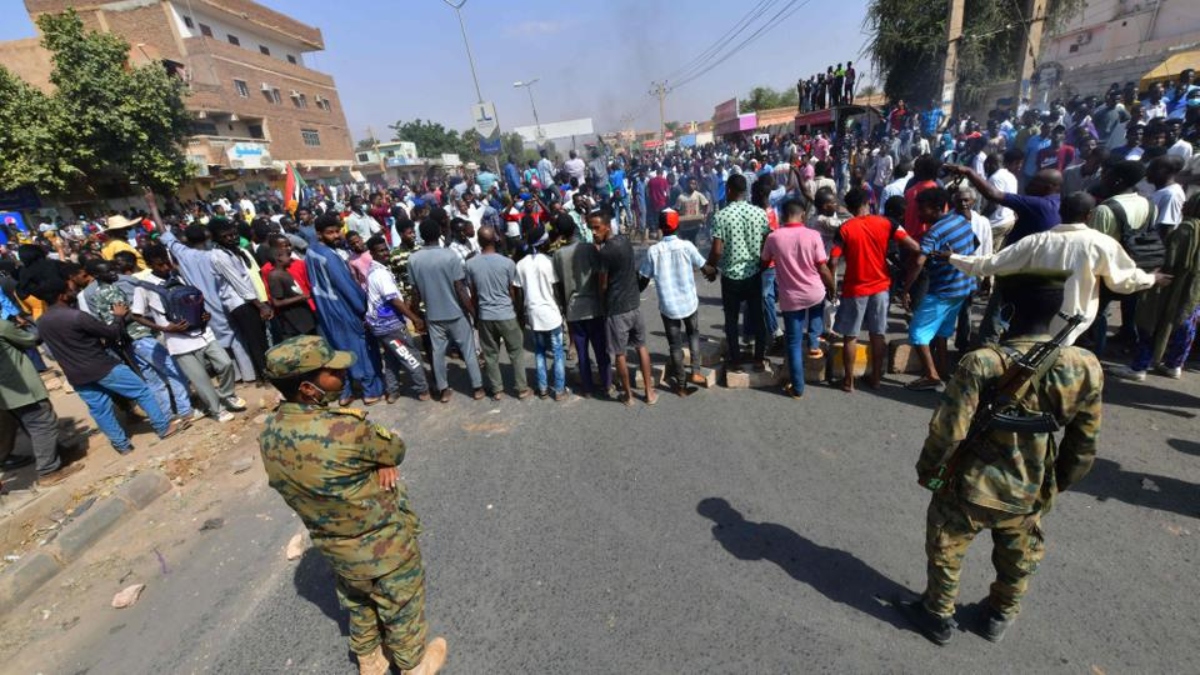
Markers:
point(161, 313)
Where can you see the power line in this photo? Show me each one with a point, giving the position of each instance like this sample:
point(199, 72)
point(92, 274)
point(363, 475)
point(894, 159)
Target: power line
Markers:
point(741, 25)
point(778, 18)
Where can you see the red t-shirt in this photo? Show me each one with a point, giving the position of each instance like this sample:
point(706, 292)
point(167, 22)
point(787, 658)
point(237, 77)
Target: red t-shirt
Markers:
point(912, 222)
point(299, 271)
point(863, 241)
point(657, 189)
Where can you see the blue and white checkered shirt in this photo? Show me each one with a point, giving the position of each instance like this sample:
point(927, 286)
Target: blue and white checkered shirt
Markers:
point(672, 264)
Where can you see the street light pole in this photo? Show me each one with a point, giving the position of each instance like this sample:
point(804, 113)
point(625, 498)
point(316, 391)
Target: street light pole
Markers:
point(466, 43)
point(528, 86)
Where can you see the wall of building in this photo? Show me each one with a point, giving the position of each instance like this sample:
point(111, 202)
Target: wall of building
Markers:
point(27, 60)
point(221, 29)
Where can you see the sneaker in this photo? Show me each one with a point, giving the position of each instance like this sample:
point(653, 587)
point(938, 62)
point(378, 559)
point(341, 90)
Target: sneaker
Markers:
point(58, 475)
point(1173, 373)
point(235, 403)
point(938, 629)
point(197, 414)
point(995, 624)
point(224, 416)
point(1127, 373)
point(13, 462)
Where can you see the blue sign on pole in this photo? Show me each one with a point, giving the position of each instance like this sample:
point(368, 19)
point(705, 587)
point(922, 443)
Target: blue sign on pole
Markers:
point(489, 146)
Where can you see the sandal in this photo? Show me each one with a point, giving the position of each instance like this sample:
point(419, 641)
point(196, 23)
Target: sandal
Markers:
point(923, 384)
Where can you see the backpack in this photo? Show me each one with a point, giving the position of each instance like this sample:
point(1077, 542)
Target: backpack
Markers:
point(1144, 244)
point(180, 301)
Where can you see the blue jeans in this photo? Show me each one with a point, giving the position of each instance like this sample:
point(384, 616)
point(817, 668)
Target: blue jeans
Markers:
point(768, 292)
point(796, 324)
point(543, 341)
point(162, 375)
point(123, 382)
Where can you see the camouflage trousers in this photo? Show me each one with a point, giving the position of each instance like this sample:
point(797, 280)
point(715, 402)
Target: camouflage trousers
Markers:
point(389, 610)
point(1017, 548)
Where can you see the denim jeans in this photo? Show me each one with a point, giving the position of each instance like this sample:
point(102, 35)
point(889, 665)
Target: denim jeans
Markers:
point(162, 375)
point(770, 319)
point(733, 293)
point(121, 381)
point(591, 332)
point(796, 325)
point(544, 341)
point(675, 329)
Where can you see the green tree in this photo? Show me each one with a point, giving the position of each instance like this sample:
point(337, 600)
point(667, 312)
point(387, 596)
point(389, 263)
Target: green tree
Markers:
point(512, 145)
point(908, 44)
point(432, 138)
point(31, 133)
point(365, 144)
point(765, 98)
point(107, 121)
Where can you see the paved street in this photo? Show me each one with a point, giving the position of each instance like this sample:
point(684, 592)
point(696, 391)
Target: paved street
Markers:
point(736, 531)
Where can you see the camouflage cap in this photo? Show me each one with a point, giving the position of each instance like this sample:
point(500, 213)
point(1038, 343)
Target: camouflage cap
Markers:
point(304, 354)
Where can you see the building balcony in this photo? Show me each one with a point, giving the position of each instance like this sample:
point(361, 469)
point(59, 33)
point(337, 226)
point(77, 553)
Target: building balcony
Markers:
point(200, 47)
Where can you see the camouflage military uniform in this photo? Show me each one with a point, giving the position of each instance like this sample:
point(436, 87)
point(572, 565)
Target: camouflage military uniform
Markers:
point(323, 462)
point(398, 261)
point(1008, 481)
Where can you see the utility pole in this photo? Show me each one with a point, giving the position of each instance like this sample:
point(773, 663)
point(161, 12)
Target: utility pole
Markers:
point(375, 146)
point(950, 73)
point(462, 26)
point(660, 90)
point(1034, 25)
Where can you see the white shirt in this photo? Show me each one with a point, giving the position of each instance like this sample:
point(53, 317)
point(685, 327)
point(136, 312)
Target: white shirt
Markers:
point(149, 304)
point(1150, 110)
point(1169, 202)
point(364, 225)
point(1091, 255)
point(1181, 148)
point(895, 189)
point(1004, 181)
point(982, 227)
point(576, 168)
point(536, 279)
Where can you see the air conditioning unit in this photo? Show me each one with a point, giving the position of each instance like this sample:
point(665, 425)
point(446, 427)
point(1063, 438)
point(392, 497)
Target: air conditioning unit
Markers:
point(266, 87)
point(1083, 38)
point(294, 94)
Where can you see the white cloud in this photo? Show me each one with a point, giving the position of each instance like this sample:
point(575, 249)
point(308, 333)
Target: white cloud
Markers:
point(536, 28)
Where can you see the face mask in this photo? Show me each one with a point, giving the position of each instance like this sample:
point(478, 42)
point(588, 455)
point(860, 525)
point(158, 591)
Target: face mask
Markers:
point(324, 398)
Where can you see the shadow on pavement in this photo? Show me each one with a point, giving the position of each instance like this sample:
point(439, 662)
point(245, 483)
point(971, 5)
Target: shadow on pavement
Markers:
point(1108, 480)
point(314, 582)
point(1141, 396)
point(836, 574)
point(1185, 446)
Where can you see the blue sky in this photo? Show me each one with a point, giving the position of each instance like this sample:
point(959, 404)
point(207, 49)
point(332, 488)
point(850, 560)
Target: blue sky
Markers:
point(404, 59)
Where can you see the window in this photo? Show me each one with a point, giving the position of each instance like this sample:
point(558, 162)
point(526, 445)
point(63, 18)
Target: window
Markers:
point(275, 97)
point(264, 50)
point(311, 137)
point(291, 59)
point(233, 40)
point(187, 21)
point(324, 104)
point(203, 128)
point(256, 131)
point(301, 101)
point(242, 89)
point(363, 158)
point(205, 30)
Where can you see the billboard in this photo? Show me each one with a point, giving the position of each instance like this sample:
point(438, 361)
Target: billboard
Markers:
point(564, 129)
point(726, 111)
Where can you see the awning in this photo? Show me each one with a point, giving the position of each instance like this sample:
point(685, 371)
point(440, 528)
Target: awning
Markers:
point(1171, 67)
point(358, 177)
point(815, 118)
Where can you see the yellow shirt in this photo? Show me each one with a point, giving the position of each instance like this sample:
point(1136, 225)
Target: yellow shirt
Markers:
point(114, 246)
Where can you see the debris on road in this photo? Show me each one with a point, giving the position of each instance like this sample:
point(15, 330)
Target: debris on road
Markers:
point(295, 547)
point(212, 524)
point(128, 597)
point(1150, 485)
point(242, 465)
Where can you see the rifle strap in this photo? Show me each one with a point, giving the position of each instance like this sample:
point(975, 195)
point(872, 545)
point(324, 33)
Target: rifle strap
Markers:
point(1011, 356)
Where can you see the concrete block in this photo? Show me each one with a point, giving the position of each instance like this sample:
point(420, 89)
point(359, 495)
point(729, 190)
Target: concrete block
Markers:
point(903, 358)
point(711, 375)
point(25, 577)
point(657, 374)
point(144, 488)
point(80, 535)
point(814, 369)
point(861, 363)
point(711, 352)
point(753, 379)
point(737, 379)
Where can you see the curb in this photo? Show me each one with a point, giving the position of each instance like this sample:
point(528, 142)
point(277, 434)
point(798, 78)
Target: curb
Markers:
point(21, 580)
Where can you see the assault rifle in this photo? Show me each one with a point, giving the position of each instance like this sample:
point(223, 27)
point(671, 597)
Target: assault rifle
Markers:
point(998, 411)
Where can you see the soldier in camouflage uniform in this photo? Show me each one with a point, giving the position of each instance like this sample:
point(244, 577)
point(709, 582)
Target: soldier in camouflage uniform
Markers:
point(1008, 481)
point(338, 473)
point(399, 258)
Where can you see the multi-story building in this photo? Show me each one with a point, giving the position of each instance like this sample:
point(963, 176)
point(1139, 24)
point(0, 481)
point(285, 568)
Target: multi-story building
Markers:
point(1118, 41)
point(257, 104)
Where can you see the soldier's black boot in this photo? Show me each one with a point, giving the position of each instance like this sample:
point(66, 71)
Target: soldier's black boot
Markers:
point(995, 624)
point(939, 630)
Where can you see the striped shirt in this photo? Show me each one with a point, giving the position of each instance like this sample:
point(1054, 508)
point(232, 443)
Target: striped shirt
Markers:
point(955, 233)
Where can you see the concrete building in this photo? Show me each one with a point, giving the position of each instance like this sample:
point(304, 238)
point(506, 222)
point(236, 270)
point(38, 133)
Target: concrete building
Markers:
point(256, 102)
point(1117, 41)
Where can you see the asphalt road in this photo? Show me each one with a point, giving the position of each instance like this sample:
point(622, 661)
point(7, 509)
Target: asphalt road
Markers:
point(735, 531)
